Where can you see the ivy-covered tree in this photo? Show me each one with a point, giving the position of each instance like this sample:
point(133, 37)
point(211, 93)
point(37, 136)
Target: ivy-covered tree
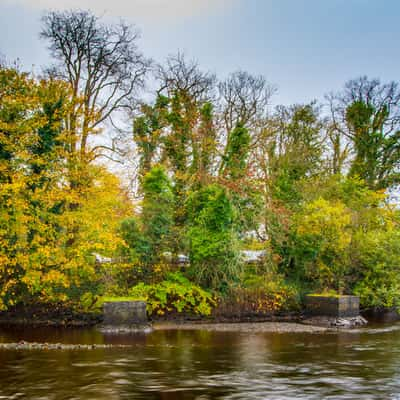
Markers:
point(150, 235)
point(212, 237)
point(366, 113)
point(147, 131)
point(205, 152)
point(296, 150)
point(234, 164)
point(157, 213)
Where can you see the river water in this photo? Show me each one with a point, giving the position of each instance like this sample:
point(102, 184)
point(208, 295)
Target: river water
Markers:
point(183, 365)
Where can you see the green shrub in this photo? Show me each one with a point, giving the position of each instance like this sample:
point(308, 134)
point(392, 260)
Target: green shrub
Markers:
point(175, 294)
point(260, 294)
point(379, 264)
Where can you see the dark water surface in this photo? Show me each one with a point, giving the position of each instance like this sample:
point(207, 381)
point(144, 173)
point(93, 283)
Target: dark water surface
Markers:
point(174, 364)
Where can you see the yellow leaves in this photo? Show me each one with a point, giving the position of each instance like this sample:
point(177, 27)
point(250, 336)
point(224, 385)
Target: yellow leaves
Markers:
point(329, 221)
point(49, 252)
point(328, 232)
point(3, 261)
point(3, 307)
point(161, 269)
point(32, 280)
point(55, 278)
point(157, 269)
point(55, 209)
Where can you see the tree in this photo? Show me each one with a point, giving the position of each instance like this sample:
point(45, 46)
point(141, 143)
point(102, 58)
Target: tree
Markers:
point(236, 176)
point(366, 113)
point(38, 260)
point(149, 236)
point(180, 75)
point(323, 239)
point(379, 256)
point(157, 213)
point(177, 130)
point(204, 159)
point(103, 67)
point(290, 148)
point(331, 234)
point(147, 130)
point(243, 105)
point(244, 99)
point(188, 89)
point(213, 242)
point(234, 165)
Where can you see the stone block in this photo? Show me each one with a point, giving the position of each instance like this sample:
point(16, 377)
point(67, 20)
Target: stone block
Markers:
point(125, 313)
point(333, 306)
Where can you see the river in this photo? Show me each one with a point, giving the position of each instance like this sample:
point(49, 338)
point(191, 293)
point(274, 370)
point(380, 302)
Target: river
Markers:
point(199, 364)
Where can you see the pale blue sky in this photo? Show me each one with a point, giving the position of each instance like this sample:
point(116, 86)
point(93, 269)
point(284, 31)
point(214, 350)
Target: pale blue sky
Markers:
point(305, 47)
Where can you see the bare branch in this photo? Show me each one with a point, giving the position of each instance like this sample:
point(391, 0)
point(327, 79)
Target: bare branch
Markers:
point(101, 62)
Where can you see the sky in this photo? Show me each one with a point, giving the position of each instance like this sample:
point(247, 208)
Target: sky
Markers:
point(306, 48)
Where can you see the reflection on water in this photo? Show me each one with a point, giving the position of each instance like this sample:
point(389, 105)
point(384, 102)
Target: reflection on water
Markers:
point(166, 365)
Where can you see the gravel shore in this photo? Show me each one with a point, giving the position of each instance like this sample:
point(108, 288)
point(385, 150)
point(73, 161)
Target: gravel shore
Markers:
point(250, 327)
point(247, 327)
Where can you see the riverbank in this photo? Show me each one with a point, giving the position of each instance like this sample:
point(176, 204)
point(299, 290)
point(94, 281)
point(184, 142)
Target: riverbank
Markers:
point(188, 322)
point(66, 319)
point(283, 322)
point(59, 316)
point(49, 316)
point(245, 327)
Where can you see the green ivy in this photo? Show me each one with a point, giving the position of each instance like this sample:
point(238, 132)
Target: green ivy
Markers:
point(175, 294)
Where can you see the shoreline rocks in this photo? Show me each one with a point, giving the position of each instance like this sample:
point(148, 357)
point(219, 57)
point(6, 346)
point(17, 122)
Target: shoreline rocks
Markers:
point(115, 329)
point(348, 323)
point(23, 345)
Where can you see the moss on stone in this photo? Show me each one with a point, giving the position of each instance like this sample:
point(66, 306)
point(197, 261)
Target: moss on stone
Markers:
point(119, 299)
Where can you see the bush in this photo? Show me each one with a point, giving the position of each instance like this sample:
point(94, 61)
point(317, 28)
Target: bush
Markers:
point(322, 239)
point(259, 295)
point(379, 264)
point(176, 294)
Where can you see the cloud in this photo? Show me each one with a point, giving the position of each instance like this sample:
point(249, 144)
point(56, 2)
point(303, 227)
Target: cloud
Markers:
point(156, 10)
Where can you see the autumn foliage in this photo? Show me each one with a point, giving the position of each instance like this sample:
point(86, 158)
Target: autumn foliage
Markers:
point(212, 171)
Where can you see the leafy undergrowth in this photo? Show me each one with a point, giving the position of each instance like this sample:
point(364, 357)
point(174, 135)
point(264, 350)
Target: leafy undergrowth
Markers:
point(176, 294)
point(260, 295)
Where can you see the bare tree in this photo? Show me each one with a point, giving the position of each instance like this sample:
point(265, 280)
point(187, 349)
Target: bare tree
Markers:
point(185, 77)
point(103, 67)
point(244, 99)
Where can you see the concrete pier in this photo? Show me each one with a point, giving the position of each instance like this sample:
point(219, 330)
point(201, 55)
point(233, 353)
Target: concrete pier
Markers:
point(125, 316)
point(333, 306)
